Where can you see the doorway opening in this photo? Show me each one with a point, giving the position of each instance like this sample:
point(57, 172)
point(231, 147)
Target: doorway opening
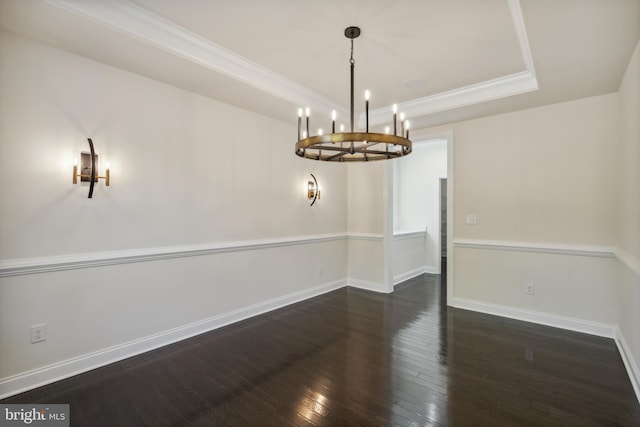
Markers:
point(443, 226)
point(419, 208)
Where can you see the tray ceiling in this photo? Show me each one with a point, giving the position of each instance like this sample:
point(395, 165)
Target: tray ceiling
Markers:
point(440, 60)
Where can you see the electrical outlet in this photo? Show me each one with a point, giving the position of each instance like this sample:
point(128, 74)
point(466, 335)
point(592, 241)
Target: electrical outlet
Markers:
point(472, 219)
point(38, 333)
point(321, 270)
point(529, 289)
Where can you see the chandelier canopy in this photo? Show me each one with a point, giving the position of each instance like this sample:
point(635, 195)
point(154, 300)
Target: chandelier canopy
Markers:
point(353, 146)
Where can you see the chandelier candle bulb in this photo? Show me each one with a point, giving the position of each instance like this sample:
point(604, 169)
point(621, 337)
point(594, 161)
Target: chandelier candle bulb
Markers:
point(299, 121)
point(395, 119)
point(75, 171)
point(307, 111)
point(333, 121)
point(320, 131)
point(407, 127)
point(366, 108)
point(401, 124)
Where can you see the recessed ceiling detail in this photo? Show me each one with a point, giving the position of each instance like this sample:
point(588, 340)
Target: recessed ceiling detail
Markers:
point(413, 83)
point(272, 57)
point(134, 20)
point(501, 87)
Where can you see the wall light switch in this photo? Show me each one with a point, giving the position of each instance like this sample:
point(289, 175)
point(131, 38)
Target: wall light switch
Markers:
point(472, 219)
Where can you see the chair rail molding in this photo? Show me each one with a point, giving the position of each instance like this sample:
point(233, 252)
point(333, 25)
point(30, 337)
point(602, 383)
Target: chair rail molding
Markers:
point(545, 248)
point(16, 267)
point(631, 262)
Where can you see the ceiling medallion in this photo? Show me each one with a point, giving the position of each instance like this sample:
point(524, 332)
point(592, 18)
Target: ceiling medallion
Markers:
point(353, 146)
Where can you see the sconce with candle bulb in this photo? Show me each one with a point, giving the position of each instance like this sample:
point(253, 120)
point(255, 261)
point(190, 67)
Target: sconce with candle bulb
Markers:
point(89, 170)
point(313, 190)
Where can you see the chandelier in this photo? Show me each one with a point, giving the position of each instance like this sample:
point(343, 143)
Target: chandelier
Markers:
point(353, 146)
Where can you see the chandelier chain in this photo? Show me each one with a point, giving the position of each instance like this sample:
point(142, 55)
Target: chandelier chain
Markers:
point(352, 61)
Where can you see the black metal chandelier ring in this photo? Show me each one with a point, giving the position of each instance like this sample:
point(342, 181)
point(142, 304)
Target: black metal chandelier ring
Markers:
point(353, 146)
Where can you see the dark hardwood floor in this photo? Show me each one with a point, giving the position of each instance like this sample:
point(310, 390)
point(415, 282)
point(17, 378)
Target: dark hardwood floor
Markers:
point(353, 357)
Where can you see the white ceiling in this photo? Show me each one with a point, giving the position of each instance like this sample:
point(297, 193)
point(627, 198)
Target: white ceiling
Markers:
point(440, 60)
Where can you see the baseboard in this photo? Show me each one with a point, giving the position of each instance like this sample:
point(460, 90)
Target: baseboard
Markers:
point(569, 323)
point(367, 286)
point(409, 275)
point(431, 270)
point(629, 362)
point(38, 377)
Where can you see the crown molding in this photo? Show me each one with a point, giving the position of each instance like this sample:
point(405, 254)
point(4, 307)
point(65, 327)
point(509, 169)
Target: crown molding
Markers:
point(521, 33)
point(134, 20)
point(489, 90)
point(129, 18)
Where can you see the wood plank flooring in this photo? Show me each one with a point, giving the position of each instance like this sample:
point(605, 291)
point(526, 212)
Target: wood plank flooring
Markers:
point(355, 358)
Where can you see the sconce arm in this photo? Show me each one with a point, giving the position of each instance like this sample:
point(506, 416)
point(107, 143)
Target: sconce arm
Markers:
point(93, 167)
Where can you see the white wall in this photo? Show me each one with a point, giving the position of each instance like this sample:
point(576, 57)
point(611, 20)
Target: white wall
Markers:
point(185, 168)
point(190, 176)
point(366, 225)
point(540, 175)
point(628, 218)
point(365, 201)
point(409, 255)
point(574, 291)
point(541, 182)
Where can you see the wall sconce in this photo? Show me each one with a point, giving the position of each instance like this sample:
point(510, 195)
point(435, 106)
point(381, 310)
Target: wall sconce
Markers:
point(88, 169)
point(313, 191)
